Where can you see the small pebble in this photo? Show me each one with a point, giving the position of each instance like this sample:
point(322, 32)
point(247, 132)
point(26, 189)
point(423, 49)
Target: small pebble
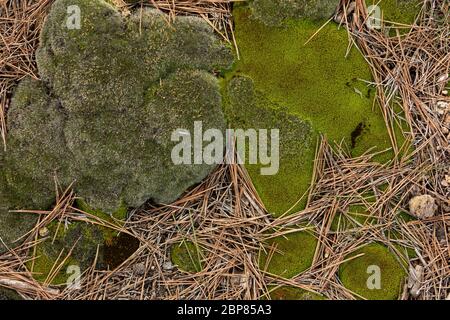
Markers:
point(423, 206)
point(43, 232)
point(443, 78)
point(167, 265)
point(139, 268)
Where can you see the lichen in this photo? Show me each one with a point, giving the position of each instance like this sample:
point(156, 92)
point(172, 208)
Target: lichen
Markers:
point(111, 94)
point(355, 273)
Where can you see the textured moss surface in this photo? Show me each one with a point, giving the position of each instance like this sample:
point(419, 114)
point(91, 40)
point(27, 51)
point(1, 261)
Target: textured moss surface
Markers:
point(293, 254)
point(275, 12)
point(401, 11)
point(247, 108)
point(315, 83)
point(81, 238)
point(8, 294)
point(112, 93)
point(187, 256)
point(292, 293)
point(354, 273)
point(13, 226)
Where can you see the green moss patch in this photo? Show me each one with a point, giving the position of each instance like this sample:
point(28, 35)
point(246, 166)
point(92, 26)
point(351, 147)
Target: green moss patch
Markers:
point(355, 273)
point(119, 214)
point(80, 237)
point(114, 248)
point(292, 293)
point(112, 93)
point(246, 109)
point(8, 294)
point(316, 84)
point(400, 11)
point(275, 12)
point(293, 254)
point(187, 256)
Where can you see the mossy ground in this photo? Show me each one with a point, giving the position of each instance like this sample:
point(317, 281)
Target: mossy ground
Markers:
point(275, 12)
point(293, 254)
point(8, 294)
point(187, 256)
point(400, 11)
point(81, 237)
point(248, 108)
point(111, 94)
point(354, 273)
point(315, 83)
point(355, 216)
point(292, 293)
point(116, 217)
point(114, 248)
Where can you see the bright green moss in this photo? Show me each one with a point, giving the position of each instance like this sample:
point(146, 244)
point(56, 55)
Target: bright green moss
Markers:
point(292, 293)
point(400, 11)
point(246, 109)
point(275, 12)
point(43, 266)
point(120, 214)
point(354, 273)
point(187, 256)
point(293, 254)
point(315, 83)
point(116, 217)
